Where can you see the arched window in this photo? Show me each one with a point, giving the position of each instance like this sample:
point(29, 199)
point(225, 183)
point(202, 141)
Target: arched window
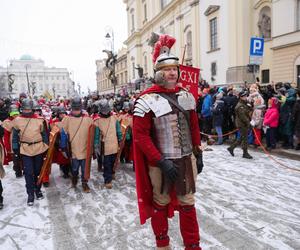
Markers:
point(145, 63)
point(264, 23)
point(189, 47)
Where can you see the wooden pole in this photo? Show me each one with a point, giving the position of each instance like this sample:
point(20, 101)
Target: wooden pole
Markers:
point(183, 56)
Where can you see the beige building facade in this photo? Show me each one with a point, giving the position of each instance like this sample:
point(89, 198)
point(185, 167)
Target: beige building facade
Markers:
point(226, 29)
point(179, 18)
point(216, 35)
point(104, 85)
point(286, 41)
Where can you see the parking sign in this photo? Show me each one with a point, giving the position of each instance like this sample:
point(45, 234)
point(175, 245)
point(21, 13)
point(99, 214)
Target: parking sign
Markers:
point(256, 46)
point(256, 50)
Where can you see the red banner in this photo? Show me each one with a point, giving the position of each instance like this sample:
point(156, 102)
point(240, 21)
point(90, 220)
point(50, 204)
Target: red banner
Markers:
point(189, 78)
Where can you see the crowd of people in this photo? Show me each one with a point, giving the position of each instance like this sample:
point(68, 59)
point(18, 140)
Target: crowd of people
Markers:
point(271, 112)
point(26, 126)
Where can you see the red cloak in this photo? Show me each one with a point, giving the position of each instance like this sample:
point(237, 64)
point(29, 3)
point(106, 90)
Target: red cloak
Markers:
point(145, 153)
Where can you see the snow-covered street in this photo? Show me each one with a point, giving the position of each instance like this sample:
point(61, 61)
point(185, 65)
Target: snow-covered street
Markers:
point(241, 204)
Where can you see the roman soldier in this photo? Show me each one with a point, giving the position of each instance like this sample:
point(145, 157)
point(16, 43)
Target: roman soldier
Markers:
point(37, 110)
point(30, 142)
point(107, 137)
point(8, 126)
point(77, 126)
point(125, 119)
point(165, 135)
point(60, 157)
point(2, 157)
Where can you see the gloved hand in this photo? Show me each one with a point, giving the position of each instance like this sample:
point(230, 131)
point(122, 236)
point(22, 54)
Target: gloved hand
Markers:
point(168, 168)
point(199, 158)
point(199, 163)
point(252, 123)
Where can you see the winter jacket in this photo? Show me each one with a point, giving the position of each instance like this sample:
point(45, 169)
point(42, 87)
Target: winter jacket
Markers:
point(217, 112)
point(242, 114)
point(271, 118)
point(296, 118)
point(258, 117)
point(206, 106)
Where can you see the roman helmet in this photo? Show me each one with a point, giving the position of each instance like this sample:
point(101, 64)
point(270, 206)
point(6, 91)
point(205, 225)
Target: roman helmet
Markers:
point(76, 103)
point(162, 57)
point(104, 107)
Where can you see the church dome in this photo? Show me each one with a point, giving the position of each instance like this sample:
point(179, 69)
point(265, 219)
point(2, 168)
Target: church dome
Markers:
point(26, 57)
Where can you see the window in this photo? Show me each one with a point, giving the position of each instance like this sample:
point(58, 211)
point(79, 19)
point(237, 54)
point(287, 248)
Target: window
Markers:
point(145, 63)
point(189, 48)
point(213, 34)
point(213, 69)
point(265, 76)
point(57, 78)
point(145, 12)
point(298, 14)
point(132, 20)
point(133, 70)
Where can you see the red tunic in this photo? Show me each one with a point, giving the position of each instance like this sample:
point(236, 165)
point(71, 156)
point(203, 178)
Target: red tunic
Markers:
point(146, 153)
point(58, 156)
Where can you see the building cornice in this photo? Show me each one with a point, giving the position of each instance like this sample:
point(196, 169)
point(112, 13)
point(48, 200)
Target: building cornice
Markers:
point(285, 45)
point(211, 9)
point(261, 2)
point(194, 3)
point(154, 21)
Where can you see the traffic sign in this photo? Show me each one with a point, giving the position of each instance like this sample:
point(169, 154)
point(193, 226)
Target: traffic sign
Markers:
point(256, 50)
point(256, 46)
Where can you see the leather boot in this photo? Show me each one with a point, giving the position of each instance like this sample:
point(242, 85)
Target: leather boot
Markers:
point(74, 181)
point(159, 223)
point(189, 227)
point(85, 187)
point(246, 154)
point(230, 150)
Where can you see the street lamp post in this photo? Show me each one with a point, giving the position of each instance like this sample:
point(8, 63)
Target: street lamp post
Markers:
point(27, 77)
point(112, 37)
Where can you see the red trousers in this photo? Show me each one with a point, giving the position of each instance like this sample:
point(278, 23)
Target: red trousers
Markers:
point(257, 138)
point(188, 227)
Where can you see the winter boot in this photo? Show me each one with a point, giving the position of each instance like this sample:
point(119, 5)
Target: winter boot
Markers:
point(189, 227)
point(108, 185)
point(159, 223)
point(230, 150)
point(46, 184)
point(39, 195)
point(246, 154)
point(30, 200)
point(85, 187)
point(74, 181)
point(1, 204)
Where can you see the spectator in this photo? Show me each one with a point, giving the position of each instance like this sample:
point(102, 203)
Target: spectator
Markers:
point(271, 121)
point(258, 113)
point(218, 118)
point(206, 114)
point(296, 120)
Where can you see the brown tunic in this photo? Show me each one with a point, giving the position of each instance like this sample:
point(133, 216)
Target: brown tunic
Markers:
point(108, 130)
point(30, 129)
point(77, 129)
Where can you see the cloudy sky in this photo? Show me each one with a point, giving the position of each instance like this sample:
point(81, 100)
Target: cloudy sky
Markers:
point(64, 33)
